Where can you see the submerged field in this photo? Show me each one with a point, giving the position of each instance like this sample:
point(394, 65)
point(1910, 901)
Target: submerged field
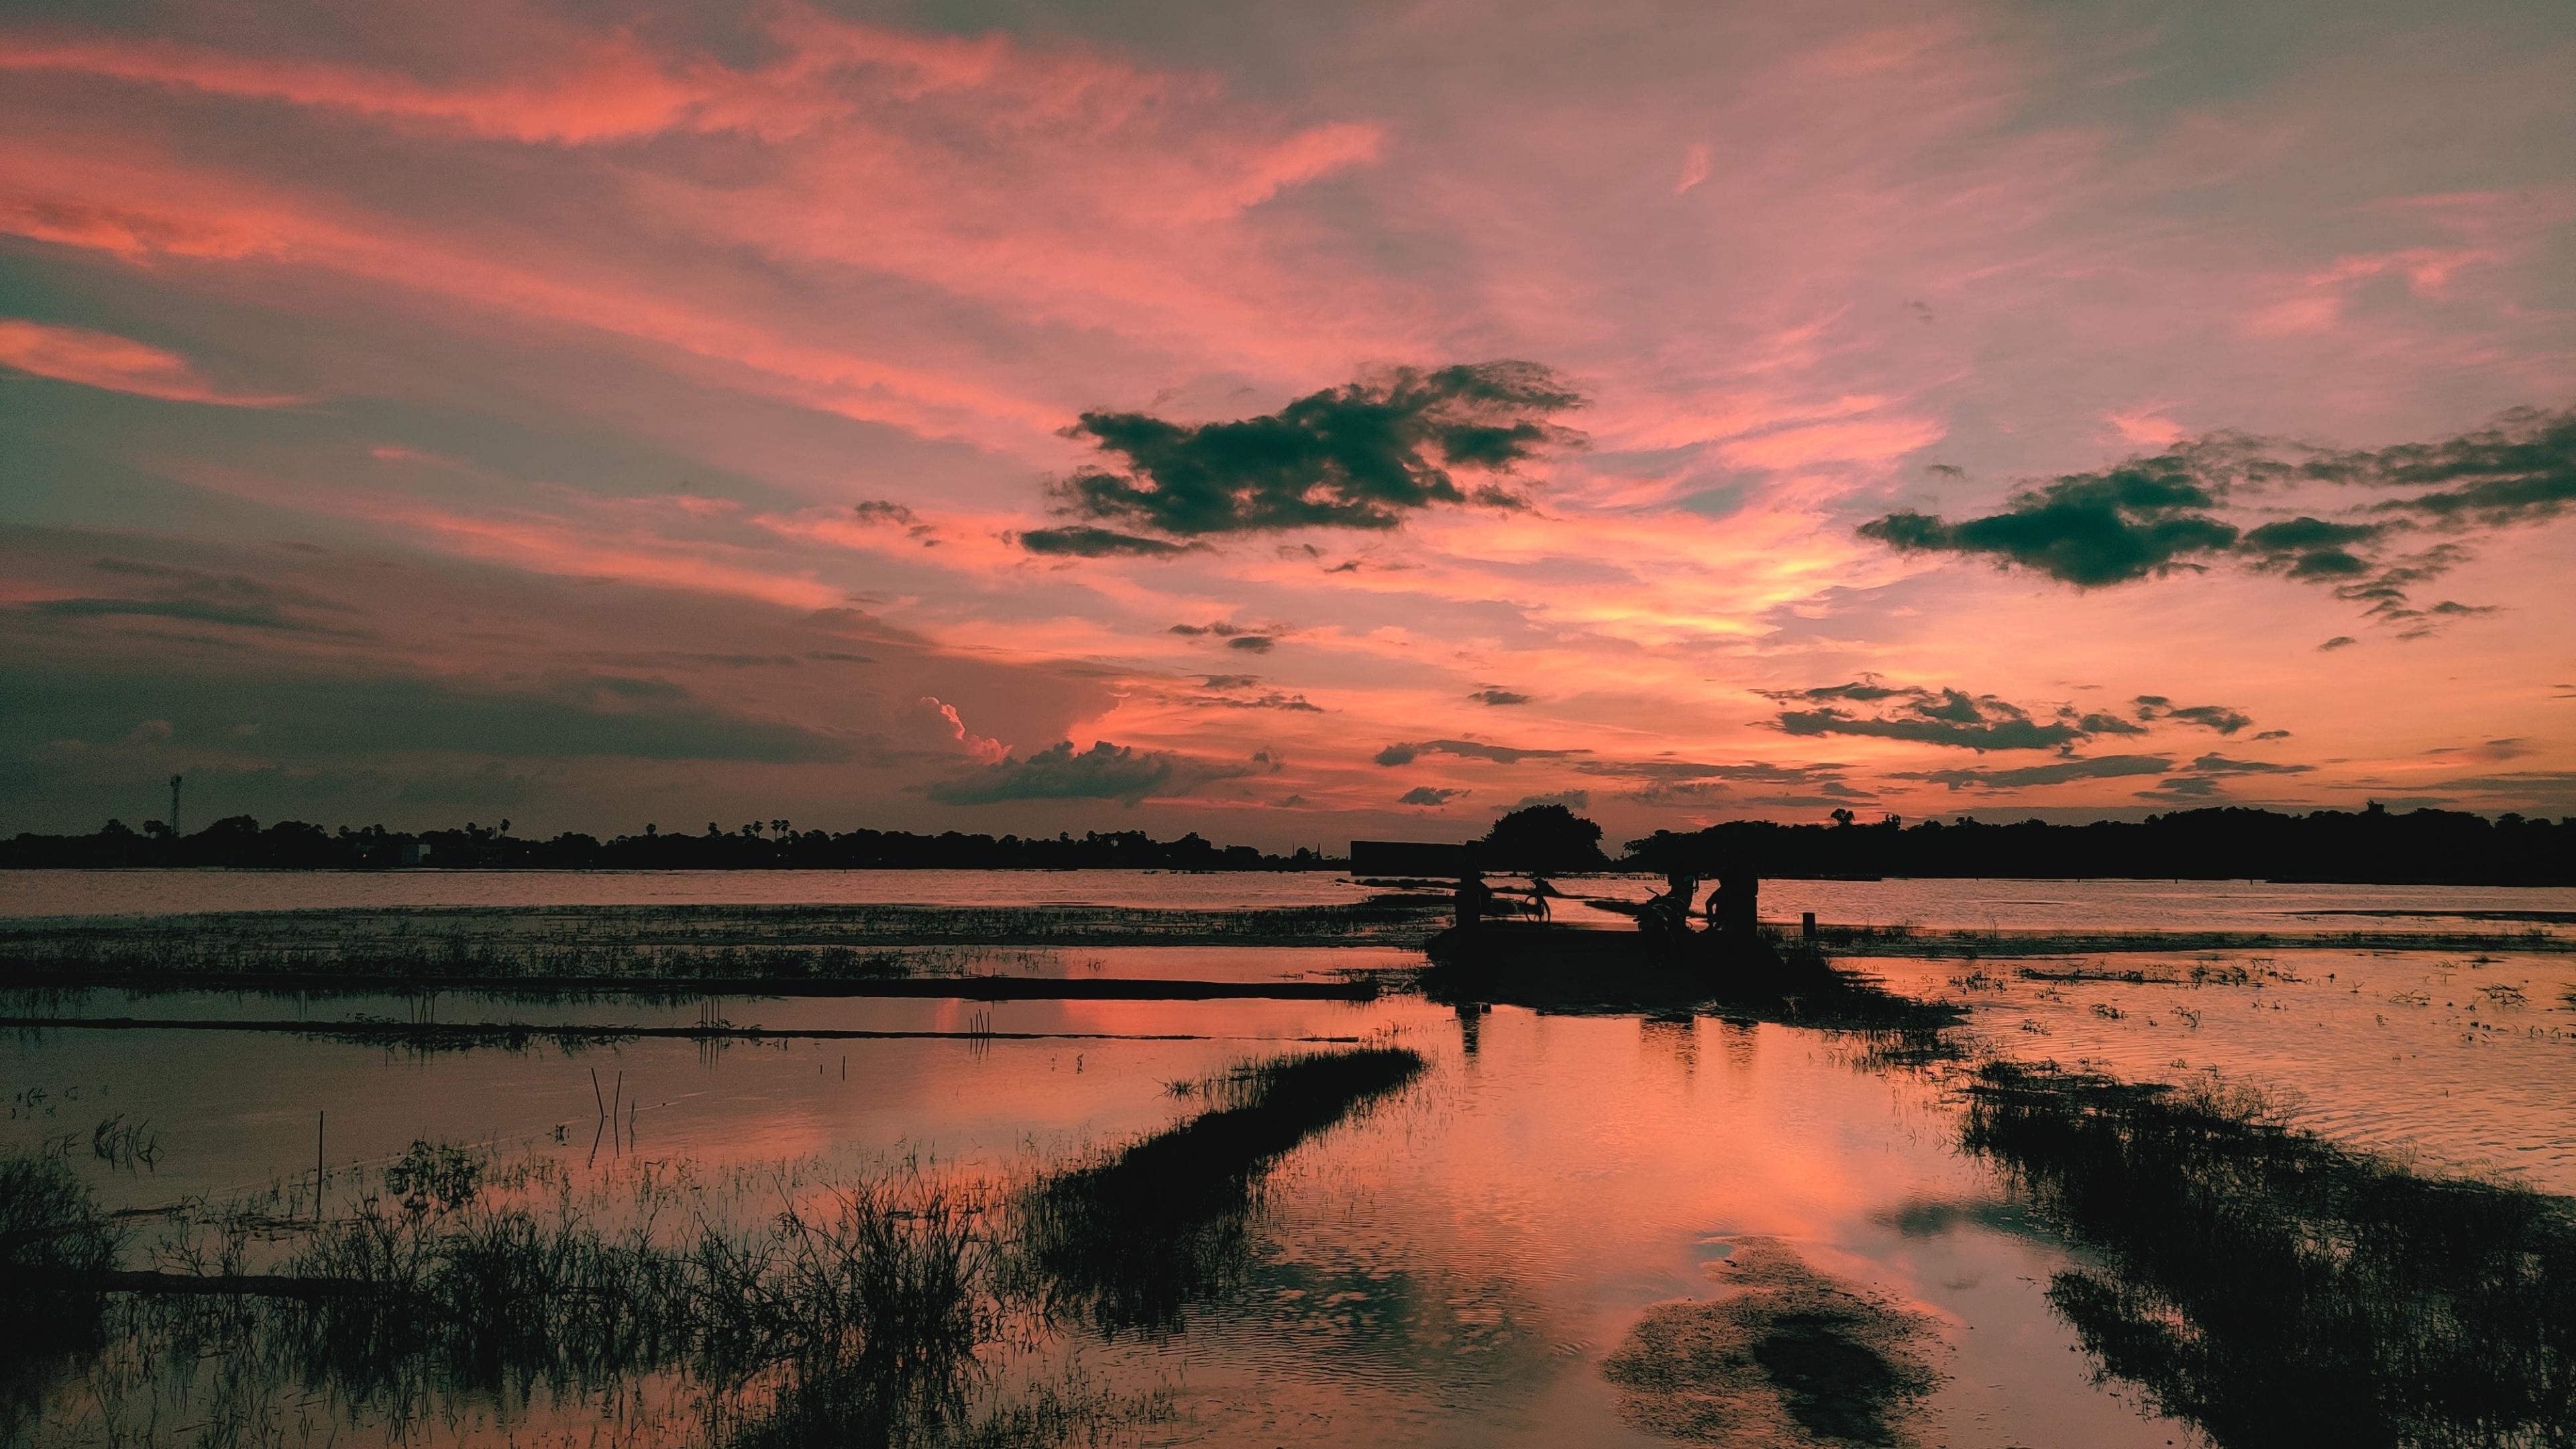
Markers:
point(433, 1204)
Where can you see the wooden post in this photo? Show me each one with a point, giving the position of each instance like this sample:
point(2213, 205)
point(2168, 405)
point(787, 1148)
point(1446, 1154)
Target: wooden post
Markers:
point(1807, 925)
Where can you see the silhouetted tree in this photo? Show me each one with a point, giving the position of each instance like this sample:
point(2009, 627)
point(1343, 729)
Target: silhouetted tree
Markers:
point(1544, 838)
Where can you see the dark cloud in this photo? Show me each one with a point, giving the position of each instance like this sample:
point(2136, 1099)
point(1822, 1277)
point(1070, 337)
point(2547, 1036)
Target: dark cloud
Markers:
point(567, 715)
point(885, 513)
point(1944, 716)
point(1085, 542)
point(1405, 754)
point(2549, 791)
point(2099, 767)
point(1749, 772)
point(2340, 641)
point(2152, 516)
point(1243, 691)
point(1104, 772)
point(2273, 735)
point(2312, 548)
point(194, 611)
point(194, 596)
point(2207, 716)
point(1358, 456)
point(879, 510)
point(2520, 468)
point(1428, 795)
point(2146, 518)
point(2221, 765)
point(1671, 782)
point(2183, 787)
point(1499, 697)
point(1236, 636)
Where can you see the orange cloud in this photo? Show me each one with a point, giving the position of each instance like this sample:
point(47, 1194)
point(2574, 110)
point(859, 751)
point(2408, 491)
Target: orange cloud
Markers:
point(118, 364)
point(600, 88)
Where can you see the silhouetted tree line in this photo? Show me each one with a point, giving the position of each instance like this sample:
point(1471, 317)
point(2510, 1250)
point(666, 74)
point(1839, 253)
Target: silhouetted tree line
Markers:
point(241, 841)
point(2373, 846)
point(2433, 847)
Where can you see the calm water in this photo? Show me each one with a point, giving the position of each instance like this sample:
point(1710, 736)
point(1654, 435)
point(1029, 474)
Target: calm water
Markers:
point(1455, 1268)
point(1451, 1270)
point(2014, 905)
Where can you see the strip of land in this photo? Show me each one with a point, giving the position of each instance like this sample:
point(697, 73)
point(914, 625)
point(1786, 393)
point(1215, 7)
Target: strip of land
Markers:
point(963, 988)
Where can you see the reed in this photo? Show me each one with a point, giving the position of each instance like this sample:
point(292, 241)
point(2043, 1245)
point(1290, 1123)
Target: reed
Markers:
point(790, 1305)
point(2275, 1288)
point(1132, 1237)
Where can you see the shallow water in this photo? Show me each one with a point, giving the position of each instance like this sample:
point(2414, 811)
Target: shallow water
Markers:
point(2463, 1063)
point(1450, 1270)
point(1456, 1267)
point(2011, 905)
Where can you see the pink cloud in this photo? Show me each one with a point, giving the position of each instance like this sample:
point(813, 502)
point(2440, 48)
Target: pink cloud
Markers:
point(117, 364)
point(2295, 315)
point(1695, 161)
point(2146, 427)
point(1864, 440)
point(978, 748)
point(599, 88)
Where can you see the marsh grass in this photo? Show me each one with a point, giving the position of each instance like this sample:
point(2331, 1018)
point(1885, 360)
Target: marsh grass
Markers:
point(1131, 1238)
point(863, 1311)
point(2279, 1290)
point(128, 1145)
point(52, 1237)
point(785, 1305)
point(1999, 944)
point(640, 943)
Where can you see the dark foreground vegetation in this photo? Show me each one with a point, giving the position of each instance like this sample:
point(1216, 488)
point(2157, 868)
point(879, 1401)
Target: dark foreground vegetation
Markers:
point(705, 945)
point(2276, 1289)
point(769, 1307)
point(2373, 846)
point(1132, 1238)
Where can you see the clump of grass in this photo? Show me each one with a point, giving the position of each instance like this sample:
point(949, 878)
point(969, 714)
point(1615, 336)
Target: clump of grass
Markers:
point(53, 1241)
point(1787, 1354)
point(124, 1144)
point(1133, 1237)
point(2277, 1289)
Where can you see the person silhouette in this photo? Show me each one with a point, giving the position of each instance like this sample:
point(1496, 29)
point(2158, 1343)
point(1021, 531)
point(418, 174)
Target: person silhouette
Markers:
point(1669, 914)
point(1474, 898)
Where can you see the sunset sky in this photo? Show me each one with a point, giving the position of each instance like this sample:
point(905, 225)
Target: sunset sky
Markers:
point(1286, 422)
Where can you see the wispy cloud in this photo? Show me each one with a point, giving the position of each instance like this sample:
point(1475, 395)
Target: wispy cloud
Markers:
point(118, 364)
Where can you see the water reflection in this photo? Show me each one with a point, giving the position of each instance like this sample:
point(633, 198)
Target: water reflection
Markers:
point(2278, 1290)
point(1460, 1265)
